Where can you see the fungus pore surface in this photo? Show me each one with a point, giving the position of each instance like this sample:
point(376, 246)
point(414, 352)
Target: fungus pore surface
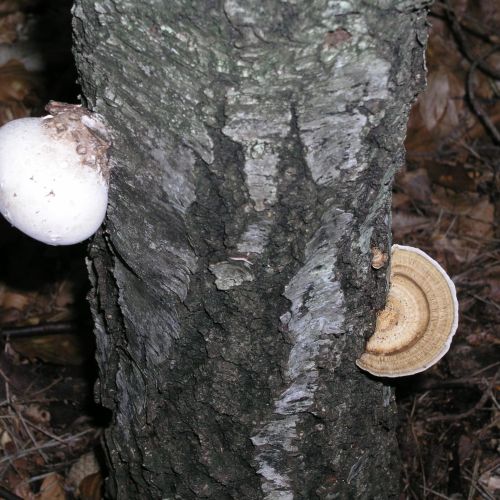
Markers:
point(415, 329)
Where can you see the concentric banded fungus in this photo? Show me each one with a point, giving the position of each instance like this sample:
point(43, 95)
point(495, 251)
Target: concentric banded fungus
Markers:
point(415, 329)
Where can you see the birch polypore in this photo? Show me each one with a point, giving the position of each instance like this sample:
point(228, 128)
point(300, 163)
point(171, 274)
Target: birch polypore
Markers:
point(415, 329)
point(54, 174)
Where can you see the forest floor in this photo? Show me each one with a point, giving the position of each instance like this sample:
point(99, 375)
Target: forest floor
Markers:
point(446, 201)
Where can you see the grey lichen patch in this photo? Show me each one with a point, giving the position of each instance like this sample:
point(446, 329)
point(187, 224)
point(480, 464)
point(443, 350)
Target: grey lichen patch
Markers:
point(177, 170)
point(406, 5)
point(333, 120)
point(256, 235)
point(230, 274)
point(179, 95)
point(259, 127)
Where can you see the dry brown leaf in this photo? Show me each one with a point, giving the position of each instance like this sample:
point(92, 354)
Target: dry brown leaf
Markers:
point(10, 24)
point(482, 338)
point(64, 294)
point(453, 249)
point(404, 224)
point(23, 490)
point(13, 110)
point(7, 6)
point(486, 11)
point(91, 487)
point(492, 280)
point(85, 466)
point(442, 114)
point(478, 222)
point(36, 414)
point(5, 440)
point(433, 102)
point(61, 349)
point(465, 448)
point(400, 200)
point(16, 82)
point(491, 482)
point(416, 185)
point(52, 488)
point(454, 203)
point(16, 300)
point(442, 49)
point(455, 176)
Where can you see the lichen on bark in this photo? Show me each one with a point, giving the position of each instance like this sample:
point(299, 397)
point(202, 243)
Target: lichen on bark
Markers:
point(255, 145)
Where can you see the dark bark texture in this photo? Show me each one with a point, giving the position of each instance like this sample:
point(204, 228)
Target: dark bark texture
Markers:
point(255, 142)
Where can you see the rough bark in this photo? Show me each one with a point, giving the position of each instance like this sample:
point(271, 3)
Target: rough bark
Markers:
point(255, 144)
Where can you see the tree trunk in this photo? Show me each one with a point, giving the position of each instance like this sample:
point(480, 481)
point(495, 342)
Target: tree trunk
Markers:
point(255, 144)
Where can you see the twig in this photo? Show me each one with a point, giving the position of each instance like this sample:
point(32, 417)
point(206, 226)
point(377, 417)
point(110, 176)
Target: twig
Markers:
point(48, 444)
point(479, 488)
point(475, 30)
point(476, 63)
point(46, 388)
point(450, 226)
point(56, 328)
point(473, 481)
point(457, 31)
point(486, 368)
point(44, 431)
point(434, 492)
point(482, 401)
point(485, 301)
point(8, 495)
point(417, 446)
point(30, 434)
point(477, 108)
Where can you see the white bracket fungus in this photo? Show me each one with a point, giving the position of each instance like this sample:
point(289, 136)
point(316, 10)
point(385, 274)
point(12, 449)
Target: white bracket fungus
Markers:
point(54, 174)
point(415, 329)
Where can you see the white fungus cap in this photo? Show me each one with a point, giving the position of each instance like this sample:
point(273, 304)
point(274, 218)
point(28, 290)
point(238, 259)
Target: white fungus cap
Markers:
point(46, 189)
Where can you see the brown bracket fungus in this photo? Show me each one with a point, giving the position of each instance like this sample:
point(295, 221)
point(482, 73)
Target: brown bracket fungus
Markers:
point(415, 329)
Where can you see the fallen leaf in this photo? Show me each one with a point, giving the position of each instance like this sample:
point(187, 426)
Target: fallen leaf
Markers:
point(433, 101)
point(16, 300)
point(10, 25)
point(416, 185)
point(91, 487)
point(477, 223)
point(23, 490)
point(16, 82)
point(452, 249)
point(491, 482)
point(453, 176)
point(52, 488)
point(400, 200)
point(36, 414)
point(65, 294)
point(403, 224)
point(85, 466)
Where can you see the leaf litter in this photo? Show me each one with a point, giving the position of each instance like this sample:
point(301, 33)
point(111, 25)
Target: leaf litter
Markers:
point(50, 427)
point(447, 202)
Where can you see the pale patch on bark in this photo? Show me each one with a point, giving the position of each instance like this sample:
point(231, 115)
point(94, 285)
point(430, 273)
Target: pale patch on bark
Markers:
point(254, 238)
point(316, 314)
point(228, 274)
point(260, 128)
